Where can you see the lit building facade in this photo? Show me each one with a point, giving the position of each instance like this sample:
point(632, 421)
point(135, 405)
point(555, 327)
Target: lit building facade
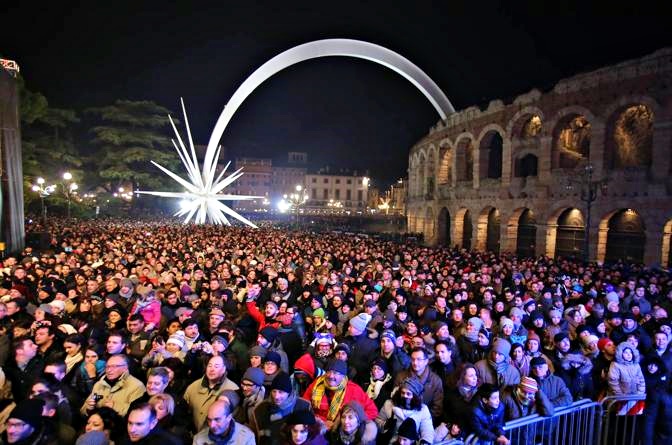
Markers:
point(336, 193)
point(257, 180)
point(531, 175)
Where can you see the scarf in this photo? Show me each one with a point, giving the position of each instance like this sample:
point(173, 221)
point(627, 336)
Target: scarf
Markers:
point(499, 368)
point(339, 394)
point(279, 412)
point(222, 439)
point(346, 438)
point(252, 401)
point(100, 368)
point(71, 361)
point(467, 392)
point(375, 385)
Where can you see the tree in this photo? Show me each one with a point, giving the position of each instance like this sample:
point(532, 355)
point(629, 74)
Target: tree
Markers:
point(130, 134)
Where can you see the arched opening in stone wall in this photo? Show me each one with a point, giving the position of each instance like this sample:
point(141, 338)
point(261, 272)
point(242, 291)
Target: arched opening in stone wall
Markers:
point(490, 155)
point(666, 254)
point(526, 234)
point(446, 153)
point(526, 166)
point(489, 229)
point(570, 234)
point(465, 160)
point(463, 228)
point(630, 138)
point(625, 236)
point(571, 142)
point(444, 227)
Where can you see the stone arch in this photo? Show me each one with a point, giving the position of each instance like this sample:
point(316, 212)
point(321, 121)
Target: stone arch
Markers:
point(488, 233)
point(629, 137)
point(443, 228)
point(518, 121)
point(666, 251)
point(572, 135)
point(621, 236)
point(491, 152)
point(526, 164)
point(446, 154)
point(327, 48)
point(463, 228)
point(464, 158)
point(522, 229)
point(566, 233)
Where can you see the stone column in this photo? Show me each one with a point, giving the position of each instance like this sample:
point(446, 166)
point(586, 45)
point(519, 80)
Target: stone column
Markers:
point(662, 145)
point(544, 159)
point(506, 163)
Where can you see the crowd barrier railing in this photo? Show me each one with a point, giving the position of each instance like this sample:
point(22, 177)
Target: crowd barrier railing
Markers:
point(575, 424)
point(622, 420)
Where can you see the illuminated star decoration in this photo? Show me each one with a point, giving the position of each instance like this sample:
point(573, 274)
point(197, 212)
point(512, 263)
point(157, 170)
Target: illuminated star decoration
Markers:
point(201, 199)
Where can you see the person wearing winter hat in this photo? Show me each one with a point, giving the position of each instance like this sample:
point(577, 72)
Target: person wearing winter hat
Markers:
point(329, 393)
point(467, 344)
point(93, 438)
point(551, 385)
point(342, 352)
point(362, 346)
point(271, 368)
point(533, 349)
point(381, 384)
point(395, 358)
point(301, 428)
point(26, 425)
point(495, 369)
point(268, 338)
point(252, 387)
point(257, 354)
point(270, 415)
point(407, 434)
point(525, 399)
point(589, 346)
point(406, 403)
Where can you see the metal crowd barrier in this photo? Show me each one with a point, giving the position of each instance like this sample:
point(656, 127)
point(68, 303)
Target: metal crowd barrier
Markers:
point(622, 420)
point(575, 424)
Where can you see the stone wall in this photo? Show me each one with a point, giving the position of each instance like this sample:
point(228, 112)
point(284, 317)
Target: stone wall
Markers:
point(549, 141)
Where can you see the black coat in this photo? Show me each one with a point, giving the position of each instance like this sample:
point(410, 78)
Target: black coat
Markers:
point(22, 380)
point(363, 349)
point(657, 419)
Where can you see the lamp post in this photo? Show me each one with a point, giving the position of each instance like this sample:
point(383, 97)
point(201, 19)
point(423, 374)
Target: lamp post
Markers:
point(43, 191)
point(589, 187)
point(69, 188)
point(294, 201)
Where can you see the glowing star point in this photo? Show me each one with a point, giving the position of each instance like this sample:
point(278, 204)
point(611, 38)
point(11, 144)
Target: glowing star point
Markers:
point(201, 200)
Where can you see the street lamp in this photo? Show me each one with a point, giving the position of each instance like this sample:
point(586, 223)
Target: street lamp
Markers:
point(43, 192)
point(69, 189)
point(588, 187)
point(294, 201)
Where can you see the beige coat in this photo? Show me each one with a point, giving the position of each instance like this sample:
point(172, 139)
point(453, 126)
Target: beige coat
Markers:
point(199, 398)
point(122, 394)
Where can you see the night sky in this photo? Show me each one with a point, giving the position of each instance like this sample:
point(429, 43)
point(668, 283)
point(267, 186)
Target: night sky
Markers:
point(344, 112)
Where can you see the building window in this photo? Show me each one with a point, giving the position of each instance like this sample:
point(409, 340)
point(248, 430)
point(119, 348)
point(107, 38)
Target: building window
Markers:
point(338, 181)
point(325, 194)
point(326, 180)
point(314, 193)
point(349, 181)
point(348, 195)
point(338, 194)
point(360, 195)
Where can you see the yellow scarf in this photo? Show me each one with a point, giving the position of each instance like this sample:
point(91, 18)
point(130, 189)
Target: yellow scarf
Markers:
point(336, 402)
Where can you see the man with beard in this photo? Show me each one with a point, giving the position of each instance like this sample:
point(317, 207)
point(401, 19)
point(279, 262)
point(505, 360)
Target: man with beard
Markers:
point(269, 417)
point(330, 392)
point(406, 403)
point(222, 428)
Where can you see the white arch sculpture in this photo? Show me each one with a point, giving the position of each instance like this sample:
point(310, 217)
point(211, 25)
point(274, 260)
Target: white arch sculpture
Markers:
point(201, 199)
point(326, 48)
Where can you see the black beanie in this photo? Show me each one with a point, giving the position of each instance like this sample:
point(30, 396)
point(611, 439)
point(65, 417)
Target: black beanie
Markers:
point(282, 382)
point(29, 411)
point(408, 429)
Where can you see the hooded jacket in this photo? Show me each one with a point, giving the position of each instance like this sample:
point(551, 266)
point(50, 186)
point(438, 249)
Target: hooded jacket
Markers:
point(626, 378)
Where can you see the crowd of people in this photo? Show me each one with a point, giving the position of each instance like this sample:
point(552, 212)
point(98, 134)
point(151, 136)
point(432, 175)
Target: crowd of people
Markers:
point(155, 332)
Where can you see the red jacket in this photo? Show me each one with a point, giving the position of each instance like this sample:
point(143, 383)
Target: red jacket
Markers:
point(259, 317)
point(352, 392)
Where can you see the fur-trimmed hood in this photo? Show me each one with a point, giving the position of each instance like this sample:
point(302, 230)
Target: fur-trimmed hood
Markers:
point(619, 354)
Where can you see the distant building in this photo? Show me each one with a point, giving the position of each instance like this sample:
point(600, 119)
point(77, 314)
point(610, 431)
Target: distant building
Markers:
point(336, 193)
point(257, 180)
point(287, 175)
point(398, 195)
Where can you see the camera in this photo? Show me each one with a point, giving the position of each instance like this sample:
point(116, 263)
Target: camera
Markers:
point(96, 397)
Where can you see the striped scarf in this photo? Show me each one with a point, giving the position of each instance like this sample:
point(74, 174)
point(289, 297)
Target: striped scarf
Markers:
point(336, 402)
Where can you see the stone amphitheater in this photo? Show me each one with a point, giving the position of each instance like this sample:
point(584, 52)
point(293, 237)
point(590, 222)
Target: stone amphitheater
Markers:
point(534, 176)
